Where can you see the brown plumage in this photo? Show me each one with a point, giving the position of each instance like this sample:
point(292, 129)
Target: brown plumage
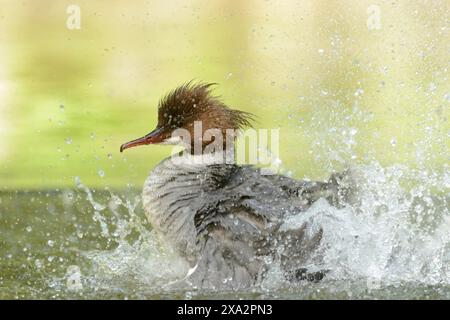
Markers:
point(195, 102)
point(185, 105)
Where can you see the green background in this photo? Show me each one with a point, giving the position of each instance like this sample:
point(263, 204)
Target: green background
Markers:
point(339, 92)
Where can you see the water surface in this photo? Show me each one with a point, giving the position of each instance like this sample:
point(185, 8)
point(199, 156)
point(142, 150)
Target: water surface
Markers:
point(81, 243)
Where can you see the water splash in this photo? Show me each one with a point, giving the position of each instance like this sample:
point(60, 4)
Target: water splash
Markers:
point(389, 237)
point(138, 258)
point(396, 233)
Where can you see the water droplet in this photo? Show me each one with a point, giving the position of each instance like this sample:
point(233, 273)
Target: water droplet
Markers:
point(69, 140)
point(109, 155)
point(321, 51)
point(92, 135)
point(50, 243)
point(393, 142)
point(359, 92)
point(38, 263)
point(101, 173)
point(432, 87)
point(61, 107)
point(447, 97)
point(29, 229)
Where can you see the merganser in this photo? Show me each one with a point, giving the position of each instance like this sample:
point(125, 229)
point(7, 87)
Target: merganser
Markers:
point(225, 219)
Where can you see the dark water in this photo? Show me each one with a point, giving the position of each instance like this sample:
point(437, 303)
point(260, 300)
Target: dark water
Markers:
point(91, 244)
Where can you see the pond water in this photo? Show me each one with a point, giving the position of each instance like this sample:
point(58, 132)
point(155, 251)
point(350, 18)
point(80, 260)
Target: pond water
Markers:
point(81, 243)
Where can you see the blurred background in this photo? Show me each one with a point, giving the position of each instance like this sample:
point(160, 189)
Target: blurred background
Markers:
point(346, 82)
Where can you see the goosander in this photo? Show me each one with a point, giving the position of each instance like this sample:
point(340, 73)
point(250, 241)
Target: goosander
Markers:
point(226, 220)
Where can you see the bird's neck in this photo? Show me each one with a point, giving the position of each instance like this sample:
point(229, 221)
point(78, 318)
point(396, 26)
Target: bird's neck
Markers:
point(206, 157)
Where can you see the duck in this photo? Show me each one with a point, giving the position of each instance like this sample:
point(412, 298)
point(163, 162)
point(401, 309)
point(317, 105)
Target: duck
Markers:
point(227, 220)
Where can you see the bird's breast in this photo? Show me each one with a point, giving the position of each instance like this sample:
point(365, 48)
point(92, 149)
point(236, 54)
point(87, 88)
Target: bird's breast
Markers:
point(172, 195)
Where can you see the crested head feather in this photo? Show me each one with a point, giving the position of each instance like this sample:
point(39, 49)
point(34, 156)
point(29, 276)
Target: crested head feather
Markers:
point(195, 102)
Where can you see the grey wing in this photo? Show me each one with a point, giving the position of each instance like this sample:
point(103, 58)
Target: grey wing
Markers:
point(237, 244)
point(238, 231)
point(231, 242)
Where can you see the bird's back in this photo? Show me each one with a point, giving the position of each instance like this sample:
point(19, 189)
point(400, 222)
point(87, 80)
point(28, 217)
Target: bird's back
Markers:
point(226, 219)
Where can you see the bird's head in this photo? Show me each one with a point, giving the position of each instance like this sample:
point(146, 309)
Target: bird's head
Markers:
point(192, 110)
